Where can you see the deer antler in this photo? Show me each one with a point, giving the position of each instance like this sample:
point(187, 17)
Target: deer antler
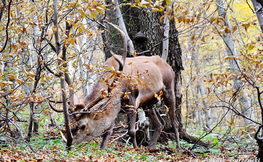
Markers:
point(122, 63)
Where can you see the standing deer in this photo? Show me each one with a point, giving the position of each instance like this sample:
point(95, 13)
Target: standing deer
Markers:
point(140, 80)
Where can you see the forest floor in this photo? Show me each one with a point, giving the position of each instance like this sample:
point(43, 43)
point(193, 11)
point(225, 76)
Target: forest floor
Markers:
point(50, 147)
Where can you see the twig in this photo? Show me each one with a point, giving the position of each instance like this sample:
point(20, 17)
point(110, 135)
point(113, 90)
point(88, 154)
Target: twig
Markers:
point(126, 132)
point(209, 131)
point(150, 50)
point(57, 125)
point(7, 24)
point(21, 135)
point(189, 151)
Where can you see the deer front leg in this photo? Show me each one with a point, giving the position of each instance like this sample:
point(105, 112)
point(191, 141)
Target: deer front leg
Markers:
point(106, 137)
point(158, 126)
point(131, 130)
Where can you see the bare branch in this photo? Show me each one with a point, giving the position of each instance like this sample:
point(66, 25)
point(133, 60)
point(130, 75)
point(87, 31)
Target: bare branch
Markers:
point(7, 24)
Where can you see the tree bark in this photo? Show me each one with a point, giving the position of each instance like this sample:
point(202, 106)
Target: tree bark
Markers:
point(259, 12)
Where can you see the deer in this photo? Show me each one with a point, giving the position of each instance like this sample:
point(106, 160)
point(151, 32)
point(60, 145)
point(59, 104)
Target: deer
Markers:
point(126, 83)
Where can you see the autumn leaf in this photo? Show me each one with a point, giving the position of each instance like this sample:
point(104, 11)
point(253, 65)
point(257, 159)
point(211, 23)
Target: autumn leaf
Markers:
point(227, 30)
point(212, 19)
point(161, 19)
point(234, 29)
point(94, 15)
point(251, 46)
point(20, 81)
point(155, 10)
point(11, 76)
point(203, 39)
point(144, 2)
point(140, 82)
point(230, 57)
point(54, 29)
point(192, 38)
point(180, 19)
point(134, 53)
point(168, 2)
point(246, 26)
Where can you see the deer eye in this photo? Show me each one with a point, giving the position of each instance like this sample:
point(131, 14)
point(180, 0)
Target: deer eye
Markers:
point(82, 127)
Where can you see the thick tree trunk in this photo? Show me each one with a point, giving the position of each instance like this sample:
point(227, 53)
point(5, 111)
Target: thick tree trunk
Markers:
point(148, 23)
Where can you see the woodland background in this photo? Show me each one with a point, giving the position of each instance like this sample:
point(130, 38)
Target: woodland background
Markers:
point(220, 48)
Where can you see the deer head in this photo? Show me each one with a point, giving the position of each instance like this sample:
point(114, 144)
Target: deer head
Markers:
point(92, 119)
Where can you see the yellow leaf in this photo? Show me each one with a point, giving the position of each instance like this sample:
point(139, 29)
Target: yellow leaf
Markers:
point(20, 81)
point(187, 20)
point(94, 15)
point(155, 10)
point(250, 46)
point(171, 18)
point(168, 2)
point(99, 11)
point(212, 19)
point(80, 29)
point(140, 82)
point(75, 25)
point(72, 41)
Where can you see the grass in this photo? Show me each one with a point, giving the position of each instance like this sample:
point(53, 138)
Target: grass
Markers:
point(50, 147)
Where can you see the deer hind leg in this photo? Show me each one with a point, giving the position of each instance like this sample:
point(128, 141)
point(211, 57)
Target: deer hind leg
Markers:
point(158, 125)
point(169, 100)
point(106, 137)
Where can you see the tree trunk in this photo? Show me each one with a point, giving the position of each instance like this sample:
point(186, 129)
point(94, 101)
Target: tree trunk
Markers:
point(63, 76)
point(231, 51)
point(259, 12)
point(258, 5)
point(148, 23)
point(175, 60)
